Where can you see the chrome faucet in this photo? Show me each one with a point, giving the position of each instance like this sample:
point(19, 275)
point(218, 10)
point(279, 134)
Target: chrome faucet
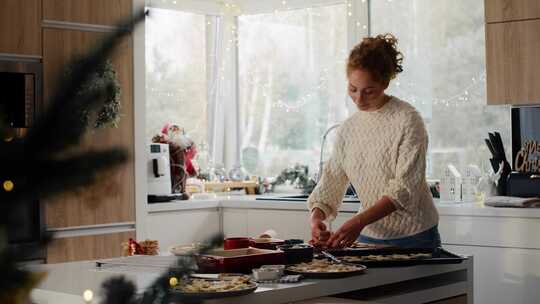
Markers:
point(321, 162)
point(322, 150)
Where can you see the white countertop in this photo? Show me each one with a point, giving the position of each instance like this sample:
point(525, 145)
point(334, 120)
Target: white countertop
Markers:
point(67, 282)
point(250, 202)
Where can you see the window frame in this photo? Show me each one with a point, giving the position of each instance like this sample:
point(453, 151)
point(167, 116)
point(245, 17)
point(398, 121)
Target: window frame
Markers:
point(358, 26)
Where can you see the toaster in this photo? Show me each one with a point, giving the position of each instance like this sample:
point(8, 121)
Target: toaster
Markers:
point(159, 170)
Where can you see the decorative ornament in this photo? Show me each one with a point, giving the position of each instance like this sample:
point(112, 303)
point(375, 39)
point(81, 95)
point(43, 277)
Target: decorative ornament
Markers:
point(103, 77)
point(8, 185)
point(237, 173)
point(88, 295)
point(173, 281)
point(182, 151)
point(298, 175)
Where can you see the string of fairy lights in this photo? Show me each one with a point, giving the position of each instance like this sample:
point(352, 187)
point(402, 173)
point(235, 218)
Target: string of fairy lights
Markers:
point(458, 98)
point(231, 10)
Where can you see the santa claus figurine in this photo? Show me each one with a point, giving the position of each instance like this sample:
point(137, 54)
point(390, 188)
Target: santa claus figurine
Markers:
point(182, 151)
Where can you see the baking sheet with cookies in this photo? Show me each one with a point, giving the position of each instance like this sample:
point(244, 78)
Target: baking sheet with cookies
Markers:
point(395, 257)
point(324, 269)
point(200, 289)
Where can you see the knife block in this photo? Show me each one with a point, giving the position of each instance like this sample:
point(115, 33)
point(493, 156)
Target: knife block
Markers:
point(502, 182)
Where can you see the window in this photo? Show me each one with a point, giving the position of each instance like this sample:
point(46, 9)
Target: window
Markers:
point(176, 72)
point(292, 85)
point(443, 44)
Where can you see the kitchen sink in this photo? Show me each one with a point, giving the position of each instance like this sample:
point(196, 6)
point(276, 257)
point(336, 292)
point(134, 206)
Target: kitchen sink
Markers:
point(303, 198)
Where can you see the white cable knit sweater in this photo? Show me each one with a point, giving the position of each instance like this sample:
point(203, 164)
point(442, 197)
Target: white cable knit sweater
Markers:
point(381, 153)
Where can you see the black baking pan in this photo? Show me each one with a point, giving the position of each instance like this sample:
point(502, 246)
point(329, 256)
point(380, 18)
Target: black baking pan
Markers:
point(297, 253)
point(328, 275)
point(438, 256)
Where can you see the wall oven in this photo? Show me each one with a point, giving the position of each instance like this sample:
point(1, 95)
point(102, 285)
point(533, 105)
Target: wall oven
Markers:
point(20, 103)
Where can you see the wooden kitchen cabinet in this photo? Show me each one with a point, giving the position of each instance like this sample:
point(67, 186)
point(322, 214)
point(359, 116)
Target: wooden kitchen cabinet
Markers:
point(20, 27)
point(511, 10)
point(513, 62)
point(91, 210)
point(112, 199)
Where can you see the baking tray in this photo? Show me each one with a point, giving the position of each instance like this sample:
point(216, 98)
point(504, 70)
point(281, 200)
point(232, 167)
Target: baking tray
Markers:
point(439, 256)
point(179, 295)
point(329, 275)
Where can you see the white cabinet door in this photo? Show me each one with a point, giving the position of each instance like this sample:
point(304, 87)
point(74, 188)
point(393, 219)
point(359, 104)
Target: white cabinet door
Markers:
point(235, 222)
point(504, 275)
point(289, 224)
point(490, 231)
point(182, 227)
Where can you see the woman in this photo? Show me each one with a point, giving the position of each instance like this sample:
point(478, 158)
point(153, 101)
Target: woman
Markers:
point(381, 151)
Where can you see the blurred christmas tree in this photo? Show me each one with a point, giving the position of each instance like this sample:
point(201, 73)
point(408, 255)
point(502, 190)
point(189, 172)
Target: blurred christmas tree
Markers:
point(38, 165)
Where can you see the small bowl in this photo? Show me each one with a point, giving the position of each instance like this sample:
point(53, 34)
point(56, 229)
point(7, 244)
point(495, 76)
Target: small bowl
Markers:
point(297, 253)
point(280, 268)
point(262, 274)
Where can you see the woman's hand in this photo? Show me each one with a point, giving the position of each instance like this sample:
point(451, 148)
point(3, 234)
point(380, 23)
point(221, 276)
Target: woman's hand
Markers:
point(347, 233)
point(319, 234)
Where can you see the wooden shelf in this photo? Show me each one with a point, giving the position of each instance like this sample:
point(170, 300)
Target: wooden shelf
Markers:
point(248, 186)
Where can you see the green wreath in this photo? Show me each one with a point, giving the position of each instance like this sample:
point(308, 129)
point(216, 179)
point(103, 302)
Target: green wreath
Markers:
point(104, 75)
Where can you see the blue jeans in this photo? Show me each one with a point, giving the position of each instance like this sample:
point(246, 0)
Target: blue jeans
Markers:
point(426, 239)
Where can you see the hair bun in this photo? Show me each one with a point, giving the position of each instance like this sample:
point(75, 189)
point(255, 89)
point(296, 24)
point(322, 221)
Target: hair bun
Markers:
point(379, 55)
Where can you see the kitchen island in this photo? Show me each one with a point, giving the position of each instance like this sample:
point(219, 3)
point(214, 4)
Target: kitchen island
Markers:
point(503, 241)
point(67, 282)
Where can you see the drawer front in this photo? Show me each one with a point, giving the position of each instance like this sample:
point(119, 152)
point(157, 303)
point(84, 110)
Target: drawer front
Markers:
point(503, 275)
point(88, 247)
point(490, 231)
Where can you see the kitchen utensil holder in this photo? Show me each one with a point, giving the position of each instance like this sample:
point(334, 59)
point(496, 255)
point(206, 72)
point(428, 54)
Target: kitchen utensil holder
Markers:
point(502, 182)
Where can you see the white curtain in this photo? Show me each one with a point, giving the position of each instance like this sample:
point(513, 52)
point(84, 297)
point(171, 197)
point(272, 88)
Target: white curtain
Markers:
point(223, 106)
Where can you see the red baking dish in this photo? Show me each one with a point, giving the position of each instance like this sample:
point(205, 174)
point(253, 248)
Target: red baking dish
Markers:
point(238, 260)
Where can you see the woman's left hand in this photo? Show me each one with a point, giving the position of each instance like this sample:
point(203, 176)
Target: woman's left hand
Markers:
point(347, 233)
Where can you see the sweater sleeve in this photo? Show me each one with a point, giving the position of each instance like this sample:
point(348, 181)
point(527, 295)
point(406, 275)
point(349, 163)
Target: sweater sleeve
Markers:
point(410, 169)
point(328, 194)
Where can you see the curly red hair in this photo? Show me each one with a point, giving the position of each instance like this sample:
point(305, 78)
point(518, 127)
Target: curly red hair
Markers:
point(378, 55)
